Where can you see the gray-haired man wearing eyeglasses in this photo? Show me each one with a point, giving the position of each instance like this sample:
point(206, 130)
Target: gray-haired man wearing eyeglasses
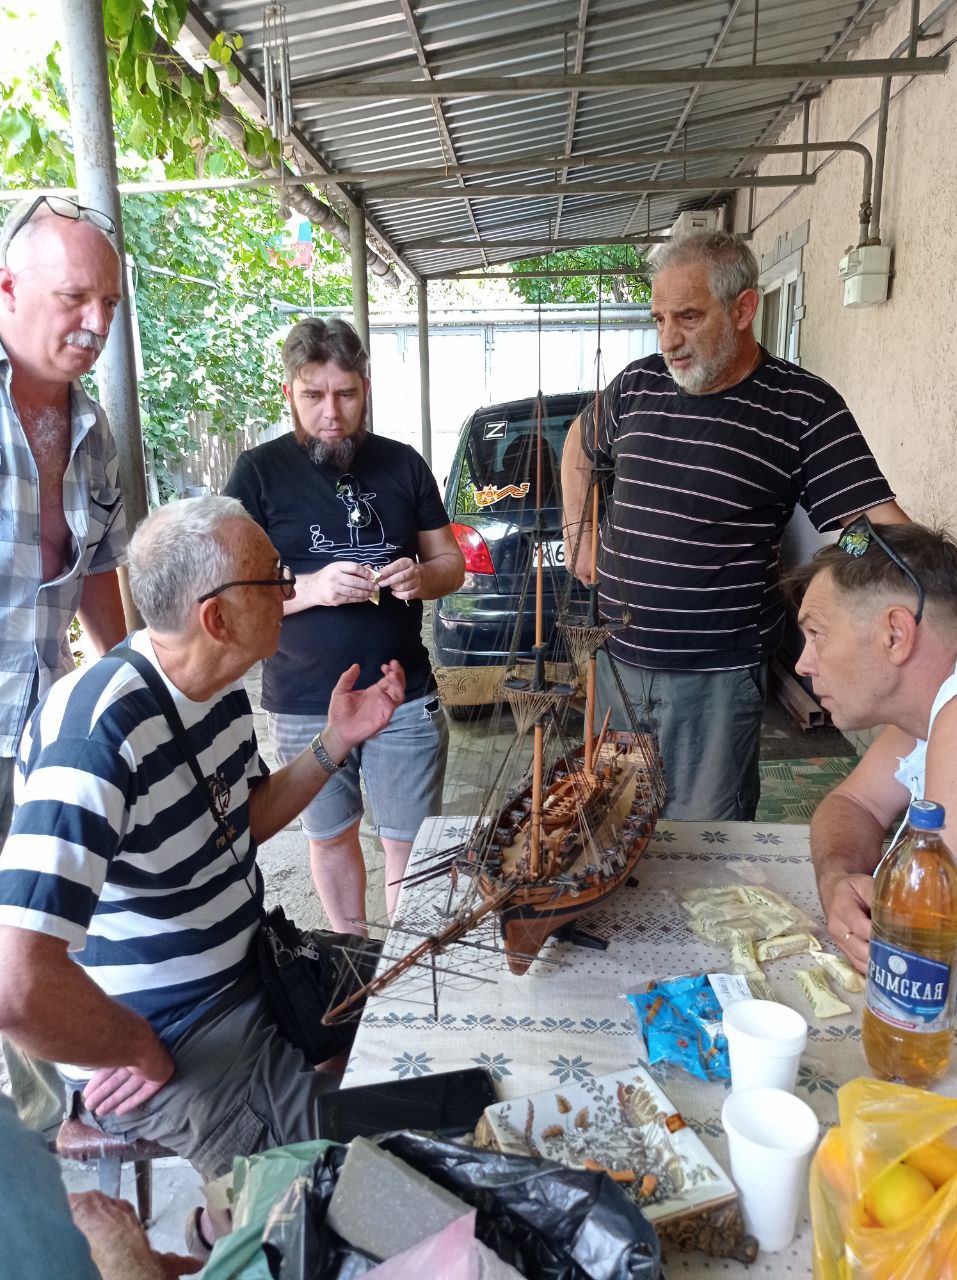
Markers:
point(127, 924)
point(62, 531)
point(879, 617)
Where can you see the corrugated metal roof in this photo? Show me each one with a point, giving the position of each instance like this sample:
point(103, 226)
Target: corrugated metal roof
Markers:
point(402, 41)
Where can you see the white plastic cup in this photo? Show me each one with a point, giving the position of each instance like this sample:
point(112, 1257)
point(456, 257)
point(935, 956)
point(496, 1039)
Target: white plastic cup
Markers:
point(771, 1135)
point(765, 1043)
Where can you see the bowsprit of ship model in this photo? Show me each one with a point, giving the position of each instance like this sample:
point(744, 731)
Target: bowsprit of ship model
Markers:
point(556, 835)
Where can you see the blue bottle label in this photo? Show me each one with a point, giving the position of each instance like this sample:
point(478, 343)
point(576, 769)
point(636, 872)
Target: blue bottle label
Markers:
point(908, 990)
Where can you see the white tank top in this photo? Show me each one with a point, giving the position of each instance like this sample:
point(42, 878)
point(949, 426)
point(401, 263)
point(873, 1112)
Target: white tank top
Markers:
point(913, 766)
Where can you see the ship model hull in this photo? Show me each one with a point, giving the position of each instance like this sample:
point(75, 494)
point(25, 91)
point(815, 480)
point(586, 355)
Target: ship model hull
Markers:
point(595, 828)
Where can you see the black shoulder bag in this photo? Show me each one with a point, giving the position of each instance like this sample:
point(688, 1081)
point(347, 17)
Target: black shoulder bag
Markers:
point(302, 970)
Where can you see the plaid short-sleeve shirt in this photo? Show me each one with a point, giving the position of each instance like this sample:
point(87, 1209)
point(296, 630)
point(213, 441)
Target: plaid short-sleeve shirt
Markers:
point(35, 615)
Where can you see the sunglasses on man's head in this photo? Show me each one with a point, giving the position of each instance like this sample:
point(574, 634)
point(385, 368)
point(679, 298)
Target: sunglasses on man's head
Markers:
point(64, 207)
point(856, 539)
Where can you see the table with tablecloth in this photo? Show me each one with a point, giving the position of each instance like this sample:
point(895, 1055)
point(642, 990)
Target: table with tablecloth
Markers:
point(566, 1020)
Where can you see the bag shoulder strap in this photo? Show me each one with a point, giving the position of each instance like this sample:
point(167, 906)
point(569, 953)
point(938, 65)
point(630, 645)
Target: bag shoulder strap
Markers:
point(164, 699)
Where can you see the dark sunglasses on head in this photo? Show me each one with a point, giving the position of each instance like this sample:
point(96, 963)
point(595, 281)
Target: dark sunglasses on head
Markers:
point(286, 582)
point(856, 539)
point(64, 207)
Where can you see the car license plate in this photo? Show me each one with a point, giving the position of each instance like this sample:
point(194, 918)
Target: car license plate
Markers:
point(554, 554)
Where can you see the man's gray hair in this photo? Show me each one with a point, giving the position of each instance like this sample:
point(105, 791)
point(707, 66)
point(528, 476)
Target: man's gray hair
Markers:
point(13, 223)
point(316, 341)
point(177, 554)
point(731, 265)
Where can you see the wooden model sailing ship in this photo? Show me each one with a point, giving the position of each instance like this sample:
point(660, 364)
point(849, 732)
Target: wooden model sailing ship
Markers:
point(541, 854)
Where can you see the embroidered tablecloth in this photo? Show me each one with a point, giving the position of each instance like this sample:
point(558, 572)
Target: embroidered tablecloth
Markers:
point(566, 1019)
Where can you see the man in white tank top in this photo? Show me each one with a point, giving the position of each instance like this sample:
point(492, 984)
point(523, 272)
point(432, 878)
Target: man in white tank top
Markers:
point(879, 618)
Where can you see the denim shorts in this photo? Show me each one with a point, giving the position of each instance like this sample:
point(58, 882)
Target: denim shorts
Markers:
point(403, 769)
point(708, 725)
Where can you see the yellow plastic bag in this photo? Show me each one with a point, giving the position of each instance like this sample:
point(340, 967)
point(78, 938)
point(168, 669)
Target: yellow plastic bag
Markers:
point(880, 1124)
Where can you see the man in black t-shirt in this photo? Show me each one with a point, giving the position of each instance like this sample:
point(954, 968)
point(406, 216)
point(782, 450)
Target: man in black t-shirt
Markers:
point(360, 520)
point(712, 444)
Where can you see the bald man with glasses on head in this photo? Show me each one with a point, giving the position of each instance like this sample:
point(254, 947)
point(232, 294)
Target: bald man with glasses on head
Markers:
point(879, 618)
point(64, 531)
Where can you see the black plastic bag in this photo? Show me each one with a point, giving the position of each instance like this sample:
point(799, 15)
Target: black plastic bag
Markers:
point(548, 1221)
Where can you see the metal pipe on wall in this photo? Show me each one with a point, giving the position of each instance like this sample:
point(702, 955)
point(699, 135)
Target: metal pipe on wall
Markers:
point(425, 391)
point(880, 150)
point(91, 121)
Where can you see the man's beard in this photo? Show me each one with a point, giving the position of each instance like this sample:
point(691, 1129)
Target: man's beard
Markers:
point(706, 370)
point(335, 453)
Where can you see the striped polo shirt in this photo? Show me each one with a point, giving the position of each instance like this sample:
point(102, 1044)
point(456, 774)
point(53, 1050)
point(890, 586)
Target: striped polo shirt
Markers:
point(703, 488)
point(114, 850)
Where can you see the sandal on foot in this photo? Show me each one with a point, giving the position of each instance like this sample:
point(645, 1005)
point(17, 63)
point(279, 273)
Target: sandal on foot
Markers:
point(197, 1245)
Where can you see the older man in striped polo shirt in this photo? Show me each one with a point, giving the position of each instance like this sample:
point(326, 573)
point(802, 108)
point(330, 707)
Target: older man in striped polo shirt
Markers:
point(126, 928)
point(712, 444)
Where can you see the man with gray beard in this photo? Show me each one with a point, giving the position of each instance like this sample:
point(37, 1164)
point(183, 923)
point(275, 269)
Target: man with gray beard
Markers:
point(62, 527)
point(709, 447)
point(360, 520)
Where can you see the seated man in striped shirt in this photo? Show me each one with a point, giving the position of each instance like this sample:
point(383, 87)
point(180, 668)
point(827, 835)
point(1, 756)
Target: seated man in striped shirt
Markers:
point(711, 445)
point(158, 1015)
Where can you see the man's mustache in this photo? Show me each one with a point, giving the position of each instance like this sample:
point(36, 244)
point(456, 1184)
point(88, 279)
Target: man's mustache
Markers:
point(86, 339)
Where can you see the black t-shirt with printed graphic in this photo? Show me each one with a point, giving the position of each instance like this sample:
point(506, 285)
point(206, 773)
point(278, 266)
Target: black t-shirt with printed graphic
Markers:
point(374, 520)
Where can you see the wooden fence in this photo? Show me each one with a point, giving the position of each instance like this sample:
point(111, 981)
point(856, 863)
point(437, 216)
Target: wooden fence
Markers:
point(207, 466)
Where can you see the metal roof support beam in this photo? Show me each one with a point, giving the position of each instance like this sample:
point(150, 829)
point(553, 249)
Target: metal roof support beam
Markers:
point(606, 81)
point(91, 122)
point(441, 124)
point(692, 98)
point(371, 179)
point(425, 391)
point(360, 278)
point(580, 34)
point(529, 242)
point(534, 191)
point(537, 275)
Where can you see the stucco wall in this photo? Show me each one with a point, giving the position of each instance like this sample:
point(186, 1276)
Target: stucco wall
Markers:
point(895, 363)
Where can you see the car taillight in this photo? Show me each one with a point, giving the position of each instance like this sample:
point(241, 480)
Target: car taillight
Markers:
point(472, 545)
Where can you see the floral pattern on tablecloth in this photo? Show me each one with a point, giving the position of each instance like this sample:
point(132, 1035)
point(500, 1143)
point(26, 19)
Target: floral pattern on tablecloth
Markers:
point(566, 1021)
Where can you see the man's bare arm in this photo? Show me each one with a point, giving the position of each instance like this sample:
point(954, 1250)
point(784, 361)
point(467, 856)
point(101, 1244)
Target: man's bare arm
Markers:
point(847, 834)
point(101, 610)
point(353, 717)
point(52, 1009)
point(576, 490)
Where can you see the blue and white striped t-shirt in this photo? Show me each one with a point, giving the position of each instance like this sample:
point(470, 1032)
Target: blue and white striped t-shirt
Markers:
point(114, 849)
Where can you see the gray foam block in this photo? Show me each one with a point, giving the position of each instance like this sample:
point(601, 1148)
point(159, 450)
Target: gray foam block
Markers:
point(381, 1205)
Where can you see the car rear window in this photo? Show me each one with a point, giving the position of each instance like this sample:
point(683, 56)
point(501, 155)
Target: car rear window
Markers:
point(498, 468)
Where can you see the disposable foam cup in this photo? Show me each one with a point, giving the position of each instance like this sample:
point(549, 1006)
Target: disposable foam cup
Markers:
point(765, 1043)
point(771, 1135)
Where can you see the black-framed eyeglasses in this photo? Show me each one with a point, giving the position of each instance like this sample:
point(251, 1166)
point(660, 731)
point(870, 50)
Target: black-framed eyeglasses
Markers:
point(285, 581)
point(855, 540)
point(359, 514)
point(65, 207)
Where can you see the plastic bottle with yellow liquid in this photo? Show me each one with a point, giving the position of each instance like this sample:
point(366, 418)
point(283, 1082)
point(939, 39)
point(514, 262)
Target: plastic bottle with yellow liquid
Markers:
point(908, 1027)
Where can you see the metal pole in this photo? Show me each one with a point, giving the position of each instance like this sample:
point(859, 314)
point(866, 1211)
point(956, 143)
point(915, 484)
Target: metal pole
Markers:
point(360, 281)
point(874, 236)
point(422, 294)
point(91, 121)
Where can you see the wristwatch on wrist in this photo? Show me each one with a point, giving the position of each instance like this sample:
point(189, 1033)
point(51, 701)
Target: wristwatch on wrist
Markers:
point(323, 756)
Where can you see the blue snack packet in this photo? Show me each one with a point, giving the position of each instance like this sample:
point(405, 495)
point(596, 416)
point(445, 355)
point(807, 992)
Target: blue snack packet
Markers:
point(680, 1020)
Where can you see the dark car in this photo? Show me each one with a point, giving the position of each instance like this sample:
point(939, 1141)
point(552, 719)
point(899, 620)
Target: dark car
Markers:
point(490, 498)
